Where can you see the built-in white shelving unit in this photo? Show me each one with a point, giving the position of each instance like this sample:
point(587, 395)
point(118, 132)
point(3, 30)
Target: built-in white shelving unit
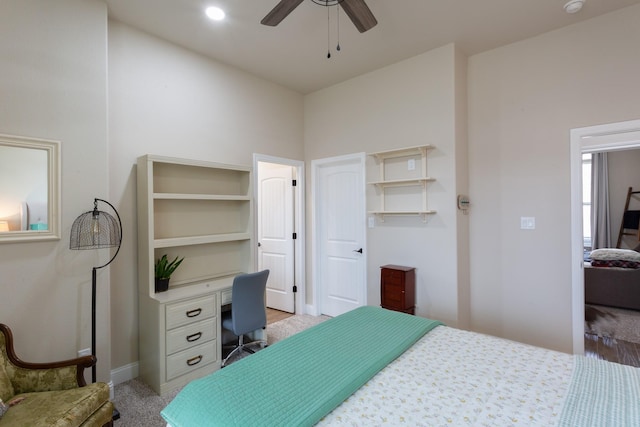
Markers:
point(393, 174)
point(201, 211)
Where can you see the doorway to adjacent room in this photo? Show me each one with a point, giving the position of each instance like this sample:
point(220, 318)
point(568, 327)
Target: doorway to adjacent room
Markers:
point(279, 195)
point(593, 139)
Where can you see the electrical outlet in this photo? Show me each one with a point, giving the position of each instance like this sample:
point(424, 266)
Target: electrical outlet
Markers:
point(411, 164)
point(84, 352)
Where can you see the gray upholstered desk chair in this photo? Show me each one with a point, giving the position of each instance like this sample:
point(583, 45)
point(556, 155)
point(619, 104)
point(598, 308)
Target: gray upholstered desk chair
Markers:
point(248, 310)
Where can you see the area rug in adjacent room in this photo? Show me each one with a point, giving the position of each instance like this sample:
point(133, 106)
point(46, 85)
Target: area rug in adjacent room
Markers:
point(613, 322)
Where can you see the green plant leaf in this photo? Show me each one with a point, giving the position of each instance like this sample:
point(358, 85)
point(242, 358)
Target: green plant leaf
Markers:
point(164, 269)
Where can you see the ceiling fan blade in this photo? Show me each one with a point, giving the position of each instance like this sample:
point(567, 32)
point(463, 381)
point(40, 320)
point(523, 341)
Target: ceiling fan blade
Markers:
point(360, 14)
point(278, 13)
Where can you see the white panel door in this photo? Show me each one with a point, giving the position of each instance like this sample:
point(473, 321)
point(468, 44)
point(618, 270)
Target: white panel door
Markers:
point(340, 217)
point(275, 233)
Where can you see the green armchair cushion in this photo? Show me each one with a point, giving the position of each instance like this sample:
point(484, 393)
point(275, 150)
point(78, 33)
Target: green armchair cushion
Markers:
point(60, 408)
point(6, 389)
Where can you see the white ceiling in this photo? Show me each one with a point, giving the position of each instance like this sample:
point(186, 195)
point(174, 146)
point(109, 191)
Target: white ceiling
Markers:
point(294, 53)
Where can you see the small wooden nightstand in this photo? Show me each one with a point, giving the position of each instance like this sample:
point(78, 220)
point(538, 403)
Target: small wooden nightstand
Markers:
point(398, 288)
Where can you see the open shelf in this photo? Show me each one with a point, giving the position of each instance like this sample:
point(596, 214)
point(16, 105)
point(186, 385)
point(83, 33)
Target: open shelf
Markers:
point(393, 175)
point(186, 196)
point(403, 152)
point(403, 182)
point(200, 240)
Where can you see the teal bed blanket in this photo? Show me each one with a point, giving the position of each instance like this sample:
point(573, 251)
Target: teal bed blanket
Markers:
point(602, 394)
point(297, 381)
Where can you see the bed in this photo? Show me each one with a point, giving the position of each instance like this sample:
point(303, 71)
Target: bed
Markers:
point(372, 366)
point(612, 278)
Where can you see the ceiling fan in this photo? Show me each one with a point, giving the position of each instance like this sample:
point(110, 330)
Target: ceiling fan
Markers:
point(356, 10)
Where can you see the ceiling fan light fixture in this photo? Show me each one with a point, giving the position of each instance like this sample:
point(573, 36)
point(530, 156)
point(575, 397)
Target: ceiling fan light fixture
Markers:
point(573, 6)
point(327, 3)
point(357, 11)
point(215, 13)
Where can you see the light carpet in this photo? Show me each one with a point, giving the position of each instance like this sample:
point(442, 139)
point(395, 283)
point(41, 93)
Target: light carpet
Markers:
point(615, 323)
point(139, 406)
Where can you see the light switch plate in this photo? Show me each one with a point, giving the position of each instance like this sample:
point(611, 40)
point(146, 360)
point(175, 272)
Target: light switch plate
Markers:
point(527, 223)
point(411, 164)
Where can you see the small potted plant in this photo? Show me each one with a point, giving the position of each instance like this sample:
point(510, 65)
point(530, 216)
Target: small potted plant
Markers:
point(163, 271)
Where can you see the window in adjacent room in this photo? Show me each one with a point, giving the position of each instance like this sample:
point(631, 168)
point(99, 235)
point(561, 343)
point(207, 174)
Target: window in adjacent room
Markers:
point(586, 201)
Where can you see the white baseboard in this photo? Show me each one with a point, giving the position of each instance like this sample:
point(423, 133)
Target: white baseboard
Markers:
point(310, 309)
point(111, 393)
point(124, 373)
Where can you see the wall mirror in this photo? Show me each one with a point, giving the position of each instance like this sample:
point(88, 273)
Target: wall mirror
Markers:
point(29, 189)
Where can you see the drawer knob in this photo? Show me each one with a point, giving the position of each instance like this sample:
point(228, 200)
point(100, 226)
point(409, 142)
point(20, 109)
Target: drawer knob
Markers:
point(194, 360)
point(194, 313)
point(194, 337)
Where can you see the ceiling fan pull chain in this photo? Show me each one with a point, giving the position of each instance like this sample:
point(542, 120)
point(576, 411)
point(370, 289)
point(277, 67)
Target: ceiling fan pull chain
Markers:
point(338, 19)
point(328, 34)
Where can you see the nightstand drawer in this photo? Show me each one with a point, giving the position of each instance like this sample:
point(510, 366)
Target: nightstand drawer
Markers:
point(392, 274)
point(179, 339)
point(191, 359)
point(183, 313)
point(391, 280)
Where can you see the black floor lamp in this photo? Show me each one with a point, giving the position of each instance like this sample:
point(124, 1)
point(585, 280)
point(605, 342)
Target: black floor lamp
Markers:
point(95, 230)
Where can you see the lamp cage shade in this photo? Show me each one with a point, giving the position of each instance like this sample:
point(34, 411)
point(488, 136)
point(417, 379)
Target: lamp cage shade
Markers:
point(94, 230)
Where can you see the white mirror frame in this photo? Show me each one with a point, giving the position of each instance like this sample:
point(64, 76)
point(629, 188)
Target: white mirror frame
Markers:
point(52, 148)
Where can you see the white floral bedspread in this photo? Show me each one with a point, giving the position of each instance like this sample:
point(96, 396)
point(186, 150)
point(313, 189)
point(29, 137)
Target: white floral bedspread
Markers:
point(452, 377)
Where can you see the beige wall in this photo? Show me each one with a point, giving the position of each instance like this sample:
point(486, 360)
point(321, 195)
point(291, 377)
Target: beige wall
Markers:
point(53, 85)
point(413, 102)
point(168, 101)
point(523, 100)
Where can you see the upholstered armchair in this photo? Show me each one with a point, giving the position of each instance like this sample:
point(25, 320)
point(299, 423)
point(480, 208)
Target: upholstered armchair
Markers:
point(50, 394)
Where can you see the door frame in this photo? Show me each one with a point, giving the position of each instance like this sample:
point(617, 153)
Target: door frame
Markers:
point(591, 139)
point(299, 219)
point(315, 308)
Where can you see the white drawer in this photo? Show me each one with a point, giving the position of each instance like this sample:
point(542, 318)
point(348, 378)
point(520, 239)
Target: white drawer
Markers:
point(225, 297)
point(191, 359)
point(193, 334)
point(183, 313)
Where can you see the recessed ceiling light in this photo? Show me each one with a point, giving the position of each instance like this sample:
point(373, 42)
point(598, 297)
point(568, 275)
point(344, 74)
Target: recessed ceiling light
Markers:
point(215, 13)
point(573, 6)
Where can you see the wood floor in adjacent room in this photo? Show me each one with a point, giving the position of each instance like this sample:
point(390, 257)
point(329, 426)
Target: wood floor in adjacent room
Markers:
point(276, 315)
point(612, 334)
point(613, 350)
